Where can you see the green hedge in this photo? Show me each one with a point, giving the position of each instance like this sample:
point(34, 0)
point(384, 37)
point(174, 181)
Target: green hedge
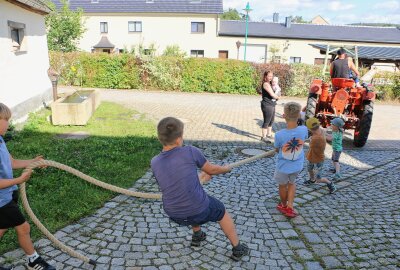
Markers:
point(387, 85)
point(125, 71)
point(303, 75)
point(217, 76)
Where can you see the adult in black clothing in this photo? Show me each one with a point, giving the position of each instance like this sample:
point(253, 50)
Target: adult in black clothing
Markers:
point(340, 68)
point(267, 106)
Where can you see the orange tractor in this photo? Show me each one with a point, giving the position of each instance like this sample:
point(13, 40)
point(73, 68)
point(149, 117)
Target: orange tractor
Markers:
point(354, 105)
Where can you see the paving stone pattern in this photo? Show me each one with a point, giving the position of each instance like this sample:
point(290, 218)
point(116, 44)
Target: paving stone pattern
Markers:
point(358, 227)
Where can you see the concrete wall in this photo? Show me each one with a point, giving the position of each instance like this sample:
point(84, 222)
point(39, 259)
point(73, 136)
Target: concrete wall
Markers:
point(24, 83)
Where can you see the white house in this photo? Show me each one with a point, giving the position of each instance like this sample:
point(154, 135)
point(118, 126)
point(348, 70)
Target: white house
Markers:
point(195, 26)
point(24, 60)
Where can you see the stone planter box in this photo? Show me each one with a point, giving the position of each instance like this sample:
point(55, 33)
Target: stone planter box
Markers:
point(75, 109)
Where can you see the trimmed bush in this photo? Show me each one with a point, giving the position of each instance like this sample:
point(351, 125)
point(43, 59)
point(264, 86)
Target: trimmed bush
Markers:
point(163, 72)
point(217, 76)
point(282, 71)
point(97, 70)
point(388, 84)
point(303, 75)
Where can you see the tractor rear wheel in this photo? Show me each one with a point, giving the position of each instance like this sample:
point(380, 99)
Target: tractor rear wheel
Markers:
point(311, 105)
point(362, 130)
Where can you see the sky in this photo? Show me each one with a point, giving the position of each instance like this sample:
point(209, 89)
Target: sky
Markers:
point(335, 12)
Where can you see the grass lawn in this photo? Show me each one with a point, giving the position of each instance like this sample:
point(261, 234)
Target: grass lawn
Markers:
point(118, 151)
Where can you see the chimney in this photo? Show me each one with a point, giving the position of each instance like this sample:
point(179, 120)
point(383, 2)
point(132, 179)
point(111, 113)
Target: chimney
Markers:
point(288, 22)
point(275, 17)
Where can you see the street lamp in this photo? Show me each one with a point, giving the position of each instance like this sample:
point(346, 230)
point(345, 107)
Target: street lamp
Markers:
point(247, 10)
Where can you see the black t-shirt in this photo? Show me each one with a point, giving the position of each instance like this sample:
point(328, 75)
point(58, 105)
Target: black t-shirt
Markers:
point(266, 97)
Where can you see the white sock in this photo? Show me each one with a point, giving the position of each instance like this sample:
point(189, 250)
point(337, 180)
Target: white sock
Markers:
point(32, 257)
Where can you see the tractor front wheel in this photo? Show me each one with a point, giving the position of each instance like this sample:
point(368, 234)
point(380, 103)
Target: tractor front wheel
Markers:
point(311, 105)
point(362, 130)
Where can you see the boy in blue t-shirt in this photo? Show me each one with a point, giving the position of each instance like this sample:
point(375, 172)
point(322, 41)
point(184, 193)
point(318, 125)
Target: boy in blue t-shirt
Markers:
point(289, 144)
point(10, 215)
point(184, 199)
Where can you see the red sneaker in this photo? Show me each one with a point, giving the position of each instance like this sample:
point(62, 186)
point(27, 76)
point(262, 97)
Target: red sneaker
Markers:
point(290, 213)
point(281, 208)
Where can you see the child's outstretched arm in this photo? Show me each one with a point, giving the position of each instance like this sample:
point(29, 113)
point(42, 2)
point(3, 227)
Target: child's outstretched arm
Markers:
point(5, 183)
point(20, 163)
point(213, 169)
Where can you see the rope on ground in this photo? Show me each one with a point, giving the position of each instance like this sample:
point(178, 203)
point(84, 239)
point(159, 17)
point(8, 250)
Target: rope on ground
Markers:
point(96, 182)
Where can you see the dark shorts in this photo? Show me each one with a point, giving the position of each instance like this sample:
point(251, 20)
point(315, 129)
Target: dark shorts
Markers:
point(214, 213)
point(10, 215)
point(336, 156)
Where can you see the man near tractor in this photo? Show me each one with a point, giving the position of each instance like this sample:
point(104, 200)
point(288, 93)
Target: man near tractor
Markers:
point(340, 68)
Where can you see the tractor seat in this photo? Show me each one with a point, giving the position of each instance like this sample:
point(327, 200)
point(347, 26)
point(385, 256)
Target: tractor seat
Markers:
point(342, 82)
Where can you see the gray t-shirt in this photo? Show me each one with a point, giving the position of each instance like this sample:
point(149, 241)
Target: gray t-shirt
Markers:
point(176, 173)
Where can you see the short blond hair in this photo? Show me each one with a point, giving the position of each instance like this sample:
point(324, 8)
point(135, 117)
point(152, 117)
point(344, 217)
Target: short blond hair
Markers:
point(5, 112)
point(169, 129)
point(292, 111)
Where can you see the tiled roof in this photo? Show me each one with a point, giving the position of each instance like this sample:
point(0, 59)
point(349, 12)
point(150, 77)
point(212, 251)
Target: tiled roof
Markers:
point(145, 6)
point(312, 32)
point(35, 5)
point(104, 43)
point(368, 52)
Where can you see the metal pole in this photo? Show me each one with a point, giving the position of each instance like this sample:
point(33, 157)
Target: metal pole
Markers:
point(247, 29)
point(326, 60)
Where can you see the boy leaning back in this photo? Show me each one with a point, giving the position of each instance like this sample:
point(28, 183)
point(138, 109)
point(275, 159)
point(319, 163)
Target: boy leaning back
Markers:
point(10, 215)
point(316, 155)
point(290, 161)
point(184, 199)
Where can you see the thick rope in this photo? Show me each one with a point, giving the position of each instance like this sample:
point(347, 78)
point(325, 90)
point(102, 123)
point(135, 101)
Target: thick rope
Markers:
point(96, 182)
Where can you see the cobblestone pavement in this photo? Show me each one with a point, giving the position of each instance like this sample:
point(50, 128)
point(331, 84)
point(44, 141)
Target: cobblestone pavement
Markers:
point(358, 227)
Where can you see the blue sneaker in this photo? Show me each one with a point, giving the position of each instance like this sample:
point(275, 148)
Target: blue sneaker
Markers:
point(337, 176)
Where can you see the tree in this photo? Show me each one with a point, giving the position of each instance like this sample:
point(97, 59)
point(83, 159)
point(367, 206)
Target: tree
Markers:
point(299, 19)
point(64, 27)
point(232, 14)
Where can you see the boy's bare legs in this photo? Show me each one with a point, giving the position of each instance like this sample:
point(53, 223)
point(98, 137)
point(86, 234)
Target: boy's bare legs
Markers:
point(283, 194)
point(323, 180)
point(337, 166)
point(228, 227)
point(196, 228)
point(291, 191)
point(24, 238)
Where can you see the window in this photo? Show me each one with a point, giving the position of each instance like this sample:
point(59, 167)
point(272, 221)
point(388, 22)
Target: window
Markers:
point(223, 54)
point(103, 27)
point(197, 53)
point(134, 27)
point(106, 51)
point(295, 60)
point(17, 35)
point(198, 27)
point(319, 61)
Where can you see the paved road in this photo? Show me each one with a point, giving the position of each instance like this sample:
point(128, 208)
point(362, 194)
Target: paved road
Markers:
point(356, 228)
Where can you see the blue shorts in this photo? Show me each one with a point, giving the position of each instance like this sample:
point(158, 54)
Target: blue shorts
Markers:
point(336, 156)
point(215, 212)
point(317, 168)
